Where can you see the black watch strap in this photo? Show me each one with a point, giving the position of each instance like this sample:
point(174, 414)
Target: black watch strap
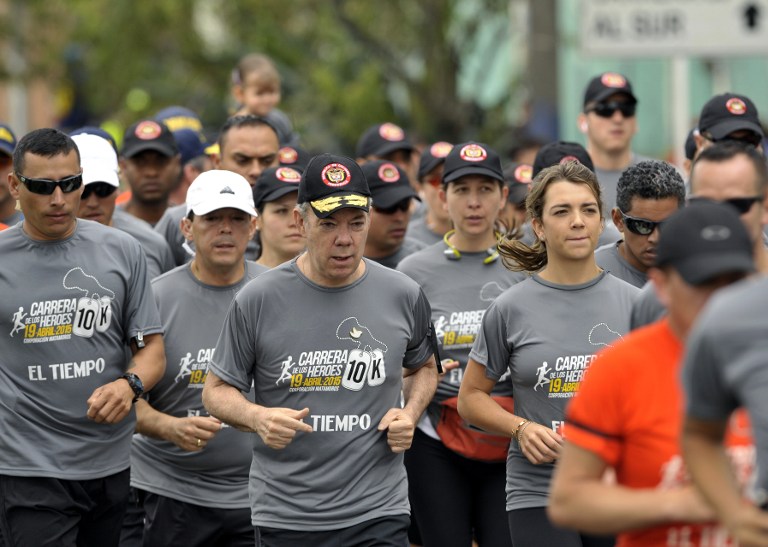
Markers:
point(136, 384)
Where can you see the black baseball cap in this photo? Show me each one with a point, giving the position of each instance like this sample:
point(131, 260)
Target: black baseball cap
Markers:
point(703, 240)
point(606, 84)
point(388, 183)
point(432, 156)
point(729, 112)
point(472, 158)
point(333, 182)
point(518, 177)
point(293, 156)
point(557, 152)
point(274, 183)
point(382, 139)
point(690, 145)
point(149, 135)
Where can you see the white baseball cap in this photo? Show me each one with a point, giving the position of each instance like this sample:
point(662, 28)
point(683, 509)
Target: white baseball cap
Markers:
point(219, 189)
point(97, 158)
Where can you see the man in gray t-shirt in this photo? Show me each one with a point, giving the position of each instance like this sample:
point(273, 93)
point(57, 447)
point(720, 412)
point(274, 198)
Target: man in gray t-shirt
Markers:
point(186, 463)
point(76, 294)
point(647, 193)
point(97, 203)
point(330, 378)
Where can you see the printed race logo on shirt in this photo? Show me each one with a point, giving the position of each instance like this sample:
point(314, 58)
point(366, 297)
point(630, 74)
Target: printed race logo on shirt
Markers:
point(194, 370)
point(84, 315)
point(357, 363)
point(561, 379)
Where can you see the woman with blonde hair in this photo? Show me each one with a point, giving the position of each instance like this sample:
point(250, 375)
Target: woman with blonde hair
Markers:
point(545, 331)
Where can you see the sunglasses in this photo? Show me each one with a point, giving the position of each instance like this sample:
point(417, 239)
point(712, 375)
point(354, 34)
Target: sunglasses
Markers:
point(748, 137)
point(435, 182)
point(401, 206)
point(742, 205)
point(606, 110)
point(47, 187)
point(101, 189)
point(639, 226)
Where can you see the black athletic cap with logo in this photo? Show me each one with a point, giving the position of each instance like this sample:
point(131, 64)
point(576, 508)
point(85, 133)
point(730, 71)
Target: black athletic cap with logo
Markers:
point(293, 156)
point(703, 240)
point(472, 158)
point(388, 183)
point(557, 152)
point(333, 182)
point(729, 112)
point(274, 183)
point(518, 177)
point(604, 85)
point(432, 156)
point(149, 135)
point(382, 139)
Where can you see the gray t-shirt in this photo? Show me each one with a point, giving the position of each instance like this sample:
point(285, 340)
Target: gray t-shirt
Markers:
point(408, 247)
point(724, 365)
point(546, 335)
point(647, 308)
point(340, 353)
point(459, 292)
point(159, 257)
point(192, 313)
point(609, 181)
point(169, 226)
point(609, 258)
point(68, 311)
point(418, 230)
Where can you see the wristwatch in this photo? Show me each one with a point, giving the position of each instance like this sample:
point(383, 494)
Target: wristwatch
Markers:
point(136, 384)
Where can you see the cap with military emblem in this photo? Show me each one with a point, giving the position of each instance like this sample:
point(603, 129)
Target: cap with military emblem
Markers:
point(472, 158)
point(333, 182)
point(382, 139)
point(432, 156)
point(729, 112)
point(518, 177)
point(557, 152)
point(606, 84)
point(219, 189)
point(388, 183)
point(274, 183)
point(149, 135)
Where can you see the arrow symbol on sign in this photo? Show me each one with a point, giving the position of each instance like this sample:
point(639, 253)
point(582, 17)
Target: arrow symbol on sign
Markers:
point(751, 15)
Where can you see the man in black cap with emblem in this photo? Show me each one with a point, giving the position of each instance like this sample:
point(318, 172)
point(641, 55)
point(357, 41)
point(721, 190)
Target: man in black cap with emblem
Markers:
point(328, 465)
point(731, 117)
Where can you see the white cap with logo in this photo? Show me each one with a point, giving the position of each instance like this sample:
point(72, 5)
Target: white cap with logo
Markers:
point(98, 159)
point(219, 189)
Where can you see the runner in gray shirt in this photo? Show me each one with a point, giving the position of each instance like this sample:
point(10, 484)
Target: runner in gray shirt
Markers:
point(247, 146)
point(327, 462)
point(185, 463)
point(724, 368)
point(75, 294)
point(430, 227)
point(99, 162)
point(647, 194)
point(457, 488)
point(545, 331)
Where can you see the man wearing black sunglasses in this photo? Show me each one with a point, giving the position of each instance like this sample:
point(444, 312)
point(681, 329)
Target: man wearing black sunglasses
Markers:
point(729, 116)
point(731, 172)
point(392, 199)
point(100, 183)
point(609, 124)
point(75, 297)
point(647, 193)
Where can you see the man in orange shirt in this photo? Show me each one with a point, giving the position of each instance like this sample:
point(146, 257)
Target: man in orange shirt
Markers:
point(628, 412)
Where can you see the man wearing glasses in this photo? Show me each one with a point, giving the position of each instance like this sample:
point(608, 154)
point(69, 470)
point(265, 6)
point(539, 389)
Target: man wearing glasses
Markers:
point(731, 172)
point(728, 117)
point(392, 199)
point(608, 123)
point(432, 226)
point(75, 296)
point(647, 193)
point(97, 203)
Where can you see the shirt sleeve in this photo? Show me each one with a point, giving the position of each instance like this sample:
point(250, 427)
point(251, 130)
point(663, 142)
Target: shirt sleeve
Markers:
point(594, 418)
point(491, 348)
point(420, 346)
point(707, 395)
point(141, 315)
point(235, 357)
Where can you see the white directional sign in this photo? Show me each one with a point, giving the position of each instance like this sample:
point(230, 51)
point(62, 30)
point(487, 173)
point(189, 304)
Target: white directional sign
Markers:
point(674, 27)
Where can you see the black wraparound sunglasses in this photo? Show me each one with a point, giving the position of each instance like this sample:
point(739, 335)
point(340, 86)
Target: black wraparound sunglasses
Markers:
point(47, 186)
point(101, 189)
point(606, 110)
point(742, 205)
point(639, 226)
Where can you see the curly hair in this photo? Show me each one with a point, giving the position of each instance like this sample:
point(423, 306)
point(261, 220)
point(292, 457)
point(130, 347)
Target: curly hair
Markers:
point(650, 179)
